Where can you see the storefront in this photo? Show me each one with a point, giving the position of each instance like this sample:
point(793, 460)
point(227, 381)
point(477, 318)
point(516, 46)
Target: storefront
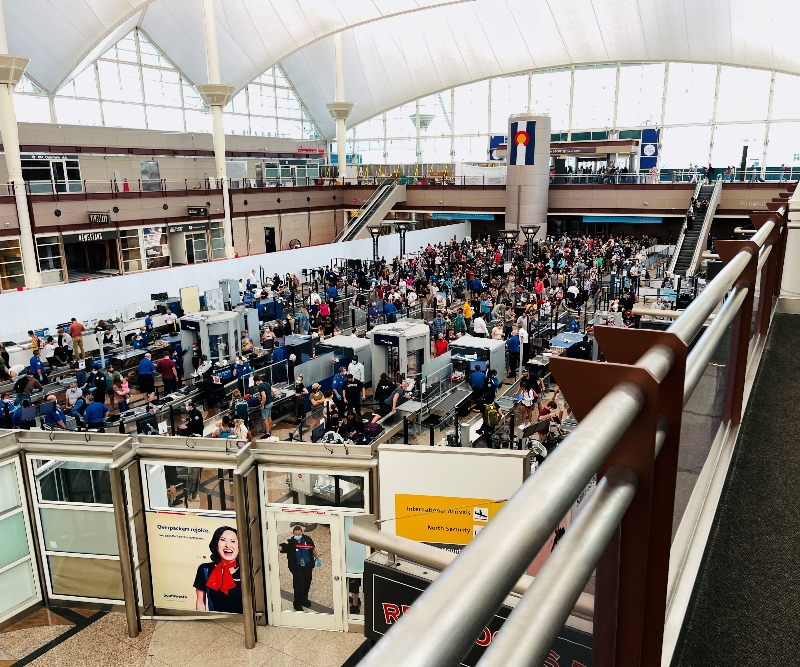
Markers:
point(188, 242)
point(92, 254)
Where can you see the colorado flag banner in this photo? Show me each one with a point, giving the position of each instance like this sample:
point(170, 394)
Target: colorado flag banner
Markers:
point(522, 142)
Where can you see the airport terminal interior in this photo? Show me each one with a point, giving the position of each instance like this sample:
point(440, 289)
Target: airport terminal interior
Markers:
point(411, 333)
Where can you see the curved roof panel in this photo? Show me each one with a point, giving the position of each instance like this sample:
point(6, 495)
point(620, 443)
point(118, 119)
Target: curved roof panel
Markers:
point(399, 59)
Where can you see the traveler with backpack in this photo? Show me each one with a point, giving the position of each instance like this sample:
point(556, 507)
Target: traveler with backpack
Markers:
point(492, 414)
point(264, 393)
point(24, 387)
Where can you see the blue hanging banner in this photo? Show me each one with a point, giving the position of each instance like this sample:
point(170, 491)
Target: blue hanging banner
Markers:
point(649, 149)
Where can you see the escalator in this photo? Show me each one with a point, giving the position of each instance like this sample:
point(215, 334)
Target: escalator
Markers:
point(686, 251)
point(374, 210)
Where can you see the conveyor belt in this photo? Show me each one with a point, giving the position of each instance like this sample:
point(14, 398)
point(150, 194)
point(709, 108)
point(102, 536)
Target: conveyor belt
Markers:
point(450, 401)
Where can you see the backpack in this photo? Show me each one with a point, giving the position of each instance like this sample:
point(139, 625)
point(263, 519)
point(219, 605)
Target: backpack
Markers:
point(19, 385)
point(492, 417)
point(240, 410)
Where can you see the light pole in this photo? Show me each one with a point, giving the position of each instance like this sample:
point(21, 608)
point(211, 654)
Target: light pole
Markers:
point(374, 232)
point(402, 227)
point(530, 232)
point(509, 237)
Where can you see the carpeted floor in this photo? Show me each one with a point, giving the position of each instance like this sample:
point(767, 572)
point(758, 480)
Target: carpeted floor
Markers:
point(746, 600)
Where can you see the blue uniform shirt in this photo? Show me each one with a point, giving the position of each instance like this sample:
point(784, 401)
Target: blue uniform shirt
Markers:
point(146, 367)
point(513, 344)
point(37, 366)
point(95, 413)
point(477, 379)
point(148, 322)
point(332, 292)
point(389, 308)
point(54, 417)
point(338, 382)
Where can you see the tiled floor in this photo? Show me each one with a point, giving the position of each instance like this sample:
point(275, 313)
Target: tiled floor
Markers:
point(101, 640)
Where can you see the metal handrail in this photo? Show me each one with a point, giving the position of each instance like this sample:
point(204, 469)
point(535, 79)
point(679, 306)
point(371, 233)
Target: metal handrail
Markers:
point(459, 603)
point(365, 208)
point(526, 635)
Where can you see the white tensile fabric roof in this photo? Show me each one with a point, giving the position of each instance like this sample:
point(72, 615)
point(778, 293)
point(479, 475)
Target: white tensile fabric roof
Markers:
point(399, 50)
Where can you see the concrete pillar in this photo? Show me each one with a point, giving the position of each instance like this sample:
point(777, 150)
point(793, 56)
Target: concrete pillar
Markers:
point(339, 109)
point(217, 96)
point(11, 71)
point(527, 184)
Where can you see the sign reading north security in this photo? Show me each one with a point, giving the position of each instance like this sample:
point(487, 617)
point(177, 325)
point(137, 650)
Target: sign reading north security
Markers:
point(442, 520)
point(188, 227)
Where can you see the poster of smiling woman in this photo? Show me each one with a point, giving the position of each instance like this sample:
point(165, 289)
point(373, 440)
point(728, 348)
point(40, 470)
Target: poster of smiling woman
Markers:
point(195, 561)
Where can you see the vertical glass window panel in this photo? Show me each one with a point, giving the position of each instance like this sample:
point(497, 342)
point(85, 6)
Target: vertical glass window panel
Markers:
point(150, 55)
point(9, 491)
point(593, 96)
point(435, 150)
point(197, 121)
point(509, 96)
point(550, 95)
point(471, 149)
point(641, 89)
point(131, 248)
point(116, 114)
point(401, 151)
point(79, 531)
point(371, 151)
point(288, 104)
point(16, 587)
point(786, 98)
point(218, 239)
point(83, 85)
point(48, 248)
point(743, 94)
point(119, 81)
point(262, 100)
point(784, 145)
point(124, 49)
point(729, 140)
point(25, 85)
point(164, 119)
point(77, 112)
point(290, 129)
point(267, 77)
point(262, 127)
point(434, 114)
point(238, 103)
point(310, 131)
point(161, 87)
point(13, 539)
point(471, 108)
point(236, 124)
point(690, 93)
point(32, 109)
point(370, 129)
point(685, 146)
point(280, 78)
point(399, 123)
point(191, 98)
point(11, 275)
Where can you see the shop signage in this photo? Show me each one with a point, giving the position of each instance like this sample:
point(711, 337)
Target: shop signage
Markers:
point(564, 150)
point(388, 594)
point(314, 151)
point(99, 218)
point(88, 237)
point(187, 227)
point(198, 211)
point(383, 339)
point(190, 325)
point(47, 156)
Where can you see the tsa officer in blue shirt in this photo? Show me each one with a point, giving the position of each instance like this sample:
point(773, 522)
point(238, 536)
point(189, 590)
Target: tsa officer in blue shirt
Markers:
point(95, 414)
point(37, 367)
point(147, 385)
point(338, 384)
point(242, 370)
point(148, 324)
point(57, 417)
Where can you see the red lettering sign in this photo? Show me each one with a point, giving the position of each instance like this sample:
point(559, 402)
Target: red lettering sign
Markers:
point(391, 612)
point(551, 660)
point(485, 639)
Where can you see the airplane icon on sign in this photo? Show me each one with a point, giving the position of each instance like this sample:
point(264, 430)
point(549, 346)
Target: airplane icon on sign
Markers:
point(480, 514)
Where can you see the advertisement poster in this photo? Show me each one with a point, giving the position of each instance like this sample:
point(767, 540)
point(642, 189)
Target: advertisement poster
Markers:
point(156, 247)
point(446, 522)
point(194, 561)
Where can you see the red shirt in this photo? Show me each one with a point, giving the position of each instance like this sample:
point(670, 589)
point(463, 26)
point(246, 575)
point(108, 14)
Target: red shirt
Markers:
point(76, 330)
point(165, 366)
point(441, 347)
